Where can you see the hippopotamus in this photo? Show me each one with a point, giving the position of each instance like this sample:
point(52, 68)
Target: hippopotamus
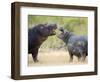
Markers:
point(37, 35)
point(77, 45)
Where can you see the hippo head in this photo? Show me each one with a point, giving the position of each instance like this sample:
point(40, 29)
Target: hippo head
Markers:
point(64, 35)
point(47, 29)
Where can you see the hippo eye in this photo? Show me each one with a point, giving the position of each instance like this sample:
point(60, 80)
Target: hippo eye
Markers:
point(49, 28)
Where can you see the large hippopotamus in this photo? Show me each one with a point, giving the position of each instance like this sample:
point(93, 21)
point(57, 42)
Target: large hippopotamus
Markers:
point(37, 35)
point(77, 45)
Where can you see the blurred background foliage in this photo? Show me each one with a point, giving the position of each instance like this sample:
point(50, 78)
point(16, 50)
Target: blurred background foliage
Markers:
point(77, 25)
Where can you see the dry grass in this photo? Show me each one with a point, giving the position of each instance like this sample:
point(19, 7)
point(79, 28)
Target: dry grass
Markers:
point(53, 58)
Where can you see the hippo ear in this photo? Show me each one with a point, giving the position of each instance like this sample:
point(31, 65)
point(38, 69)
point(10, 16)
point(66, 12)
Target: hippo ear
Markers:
point(40, 29)
point(46, 24)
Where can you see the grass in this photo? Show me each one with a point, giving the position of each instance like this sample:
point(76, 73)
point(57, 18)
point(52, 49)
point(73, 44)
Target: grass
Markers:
point(48, 58)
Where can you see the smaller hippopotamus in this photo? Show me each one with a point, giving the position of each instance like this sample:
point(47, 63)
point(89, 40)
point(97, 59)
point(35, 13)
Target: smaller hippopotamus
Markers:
point(77, 45)
point(37, 35)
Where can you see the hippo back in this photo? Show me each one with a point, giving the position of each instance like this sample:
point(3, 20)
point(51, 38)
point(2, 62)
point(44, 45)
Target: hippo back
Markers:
point(78, 43)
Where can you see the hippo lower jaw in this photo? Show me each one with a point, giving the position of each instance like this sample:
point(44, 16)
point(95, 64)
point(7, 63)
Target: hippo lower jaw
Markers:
point(54, 33)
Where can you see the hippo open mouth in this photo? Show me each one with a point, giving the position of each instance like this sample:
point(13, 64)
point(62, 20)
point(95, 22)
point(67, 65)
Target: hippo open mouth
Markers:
point(53, 31)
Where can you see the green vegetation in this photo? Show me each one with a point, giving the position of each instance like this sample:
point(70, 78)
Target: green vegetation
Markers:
point(77, 25)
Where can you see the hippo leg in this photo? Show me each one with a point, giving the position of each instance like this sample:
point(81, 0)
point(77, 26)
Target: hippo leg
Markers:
point(34, 55)
point(83, 57)
point(71, 57)
point(86, 53)
point(79, 58)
